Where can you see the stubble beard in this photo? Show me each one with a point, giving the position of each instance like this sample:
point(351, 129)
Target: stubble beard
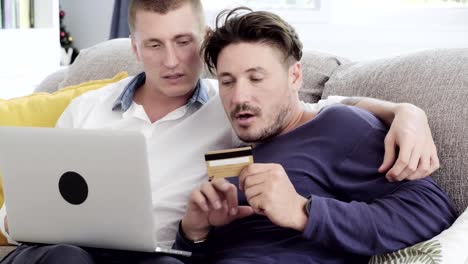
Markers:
point(272, 130)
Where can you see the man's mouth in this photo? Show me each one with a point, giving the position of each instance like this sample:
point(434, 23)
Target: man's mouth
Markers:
point(174, 76)
point(244, 118)
point(244, 115)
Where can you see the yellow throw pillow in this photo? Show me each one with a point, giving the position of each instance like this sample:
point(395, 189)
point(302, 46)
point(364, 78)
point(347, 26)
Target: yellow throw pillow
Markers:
point(44, 109)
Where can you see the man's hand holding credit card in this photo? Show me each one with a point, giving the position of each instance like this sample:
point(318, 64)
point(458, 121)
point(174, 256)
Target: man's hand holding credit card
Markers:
point(228, 162)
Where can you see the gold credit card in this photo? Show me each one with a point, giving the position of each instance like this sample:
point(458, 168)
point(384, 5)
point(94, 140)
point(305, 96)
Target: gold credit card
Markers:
point(227, 162)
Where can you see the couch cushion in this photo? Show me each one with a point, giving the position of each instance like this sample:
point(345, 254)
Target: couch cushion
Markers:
point(436, 81)
point(50, 83)
point(101, 61)
point(43, 109)
point(317, 68)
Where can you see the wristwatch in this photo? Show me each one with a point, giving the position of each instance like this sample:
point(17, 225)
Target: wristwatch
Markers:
point(307, 206)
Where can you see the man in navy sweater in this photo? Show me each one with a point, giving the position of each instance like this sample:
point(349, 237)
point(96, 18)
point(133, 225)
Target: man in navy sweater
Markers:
point(314, 193)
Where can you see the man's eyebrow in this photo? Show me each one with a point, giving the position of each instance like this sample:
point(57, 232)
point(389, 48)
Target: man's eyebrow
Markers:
point(152, 40)
point(224, 74)
point(184, 35)
point(253, 69)
point(175, 37)
point(256, 69)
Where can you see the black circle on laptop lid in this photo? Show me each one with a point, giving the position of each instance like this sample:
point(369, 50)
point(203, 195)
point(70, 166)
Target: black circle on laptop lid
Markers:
point(73, 188)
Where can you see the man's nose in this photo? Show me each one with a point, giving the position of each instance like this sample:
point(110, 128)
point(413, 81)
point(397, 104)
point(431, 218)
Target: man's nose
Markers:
point(240, 92)
point(171, 59)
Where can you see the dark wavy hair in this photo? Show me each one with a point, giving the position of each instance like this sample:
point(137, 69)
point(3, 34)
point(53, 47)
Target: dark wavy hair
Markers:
point(251, 27)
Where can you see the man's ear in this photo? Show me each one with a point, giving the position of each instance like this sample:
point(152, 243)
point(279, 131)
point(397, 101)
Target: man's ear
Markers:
point(206, 31)
point(134, 47)
point(295, 76)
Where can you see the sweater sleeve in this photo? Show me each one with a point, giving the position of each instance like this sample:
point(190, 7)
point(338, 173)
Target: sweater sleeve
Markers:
point(197, 249)
point(373, 216)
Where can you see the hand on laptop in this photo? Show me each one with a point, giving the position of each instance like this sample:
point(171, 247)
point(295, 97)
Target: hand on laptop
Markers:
point(213, 204)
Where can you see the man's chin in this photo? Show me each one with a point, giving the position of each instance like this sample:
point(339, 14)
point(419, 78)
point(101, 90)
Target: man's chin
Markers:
point(248, 137)
point(178, 91)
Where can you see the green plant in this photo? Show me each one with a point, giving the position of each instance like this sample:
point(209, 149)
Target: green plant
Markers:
point(428, 252)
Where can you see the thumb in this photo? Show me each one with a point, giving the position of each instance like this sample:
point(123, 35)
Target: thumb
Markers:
point(390, 154)
point(244, 211)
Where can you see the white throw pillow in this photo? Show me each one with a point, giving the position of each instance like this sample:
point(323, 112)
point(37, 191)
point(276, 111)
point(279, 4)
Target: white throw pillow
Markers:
point(449, 247)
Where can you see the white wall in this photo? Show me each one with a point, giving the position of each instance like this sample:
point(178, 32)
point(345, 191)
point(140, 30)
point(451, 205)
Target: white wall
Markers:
point(352, 32)
point(87, 21)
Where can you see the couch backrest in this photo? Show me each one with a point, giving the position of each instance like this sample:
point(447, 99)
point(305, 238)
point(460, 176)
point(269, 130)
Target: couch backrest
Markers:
point(102, 61)
point(108, 58)
point(436, 81)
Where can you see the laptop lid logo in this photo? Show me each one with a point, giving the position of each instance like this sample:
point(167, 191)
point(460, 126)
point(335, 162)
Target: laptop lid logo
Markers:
point(73, 188)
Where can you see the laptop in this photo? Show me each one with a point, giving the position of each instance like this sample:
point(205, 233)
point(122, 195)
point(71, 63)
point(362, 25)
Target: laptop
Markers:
point(88, 188)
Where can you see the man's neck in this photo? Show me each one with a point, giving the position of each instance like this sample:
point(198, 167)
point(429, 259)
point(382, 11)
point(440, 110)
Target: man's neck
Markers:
point(156, 104)
point(298, 117)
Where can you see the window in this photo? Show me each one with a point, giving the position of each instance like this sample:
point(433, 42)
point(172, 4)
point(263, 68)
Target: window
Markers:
point(404, 14)
point(267, 4)
point(432, 3)
point(294, 11)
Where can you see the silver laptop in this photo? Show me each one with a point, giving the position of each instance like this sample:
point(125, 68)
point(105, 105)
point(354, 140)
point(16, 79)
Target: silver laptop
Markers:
point(82, 187)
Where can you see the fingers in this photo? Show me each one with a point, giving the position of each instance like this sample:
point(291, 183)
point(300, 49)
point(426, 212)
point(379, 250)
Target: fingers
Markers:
point(209, 196)
point(412, 166)
point(423, 168)
point(217, 194)
point(229, 191)
point(199, 200)
point(244, 211)
point(422, 162)
point(213, 198)
point(253, 180)
point(402, 162)
point(434, 160)
point(390, 154)
point(253, 192)
point(257, 205)
point(435, 164)
point(250, 170)
point(428, 163)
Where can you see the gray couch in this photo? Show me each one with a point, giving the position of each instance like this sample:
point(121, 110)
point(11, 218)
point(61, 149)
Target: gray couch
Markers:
point(435, 80)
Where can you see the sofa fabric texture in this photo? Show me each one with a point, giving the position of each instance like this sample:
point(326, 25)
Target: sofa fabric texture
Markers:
point(102, 61)
point(436, 81)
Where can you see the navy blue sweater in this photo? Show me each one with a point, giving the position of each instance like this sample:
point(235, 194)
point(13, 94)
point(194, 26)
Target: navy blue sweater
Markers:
point(355, 212)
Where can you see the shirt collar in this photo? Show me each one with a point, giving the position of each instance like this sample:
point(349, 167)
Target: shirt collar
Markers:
point(125, 99)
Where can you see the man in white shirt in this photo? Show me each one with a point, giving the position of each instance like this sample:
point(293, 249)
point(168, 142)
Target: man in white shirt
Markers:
point(182, 118)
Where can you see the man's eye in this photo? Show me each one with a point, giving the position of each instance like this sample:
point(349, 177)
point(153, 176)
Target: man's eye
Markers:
point(183, 42)
point(256, 79)
point(226, 82)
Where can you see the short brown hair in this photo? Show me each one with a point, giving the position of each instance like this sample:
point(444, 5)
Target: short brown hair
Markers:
point(162, 7)
point(254, 26)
